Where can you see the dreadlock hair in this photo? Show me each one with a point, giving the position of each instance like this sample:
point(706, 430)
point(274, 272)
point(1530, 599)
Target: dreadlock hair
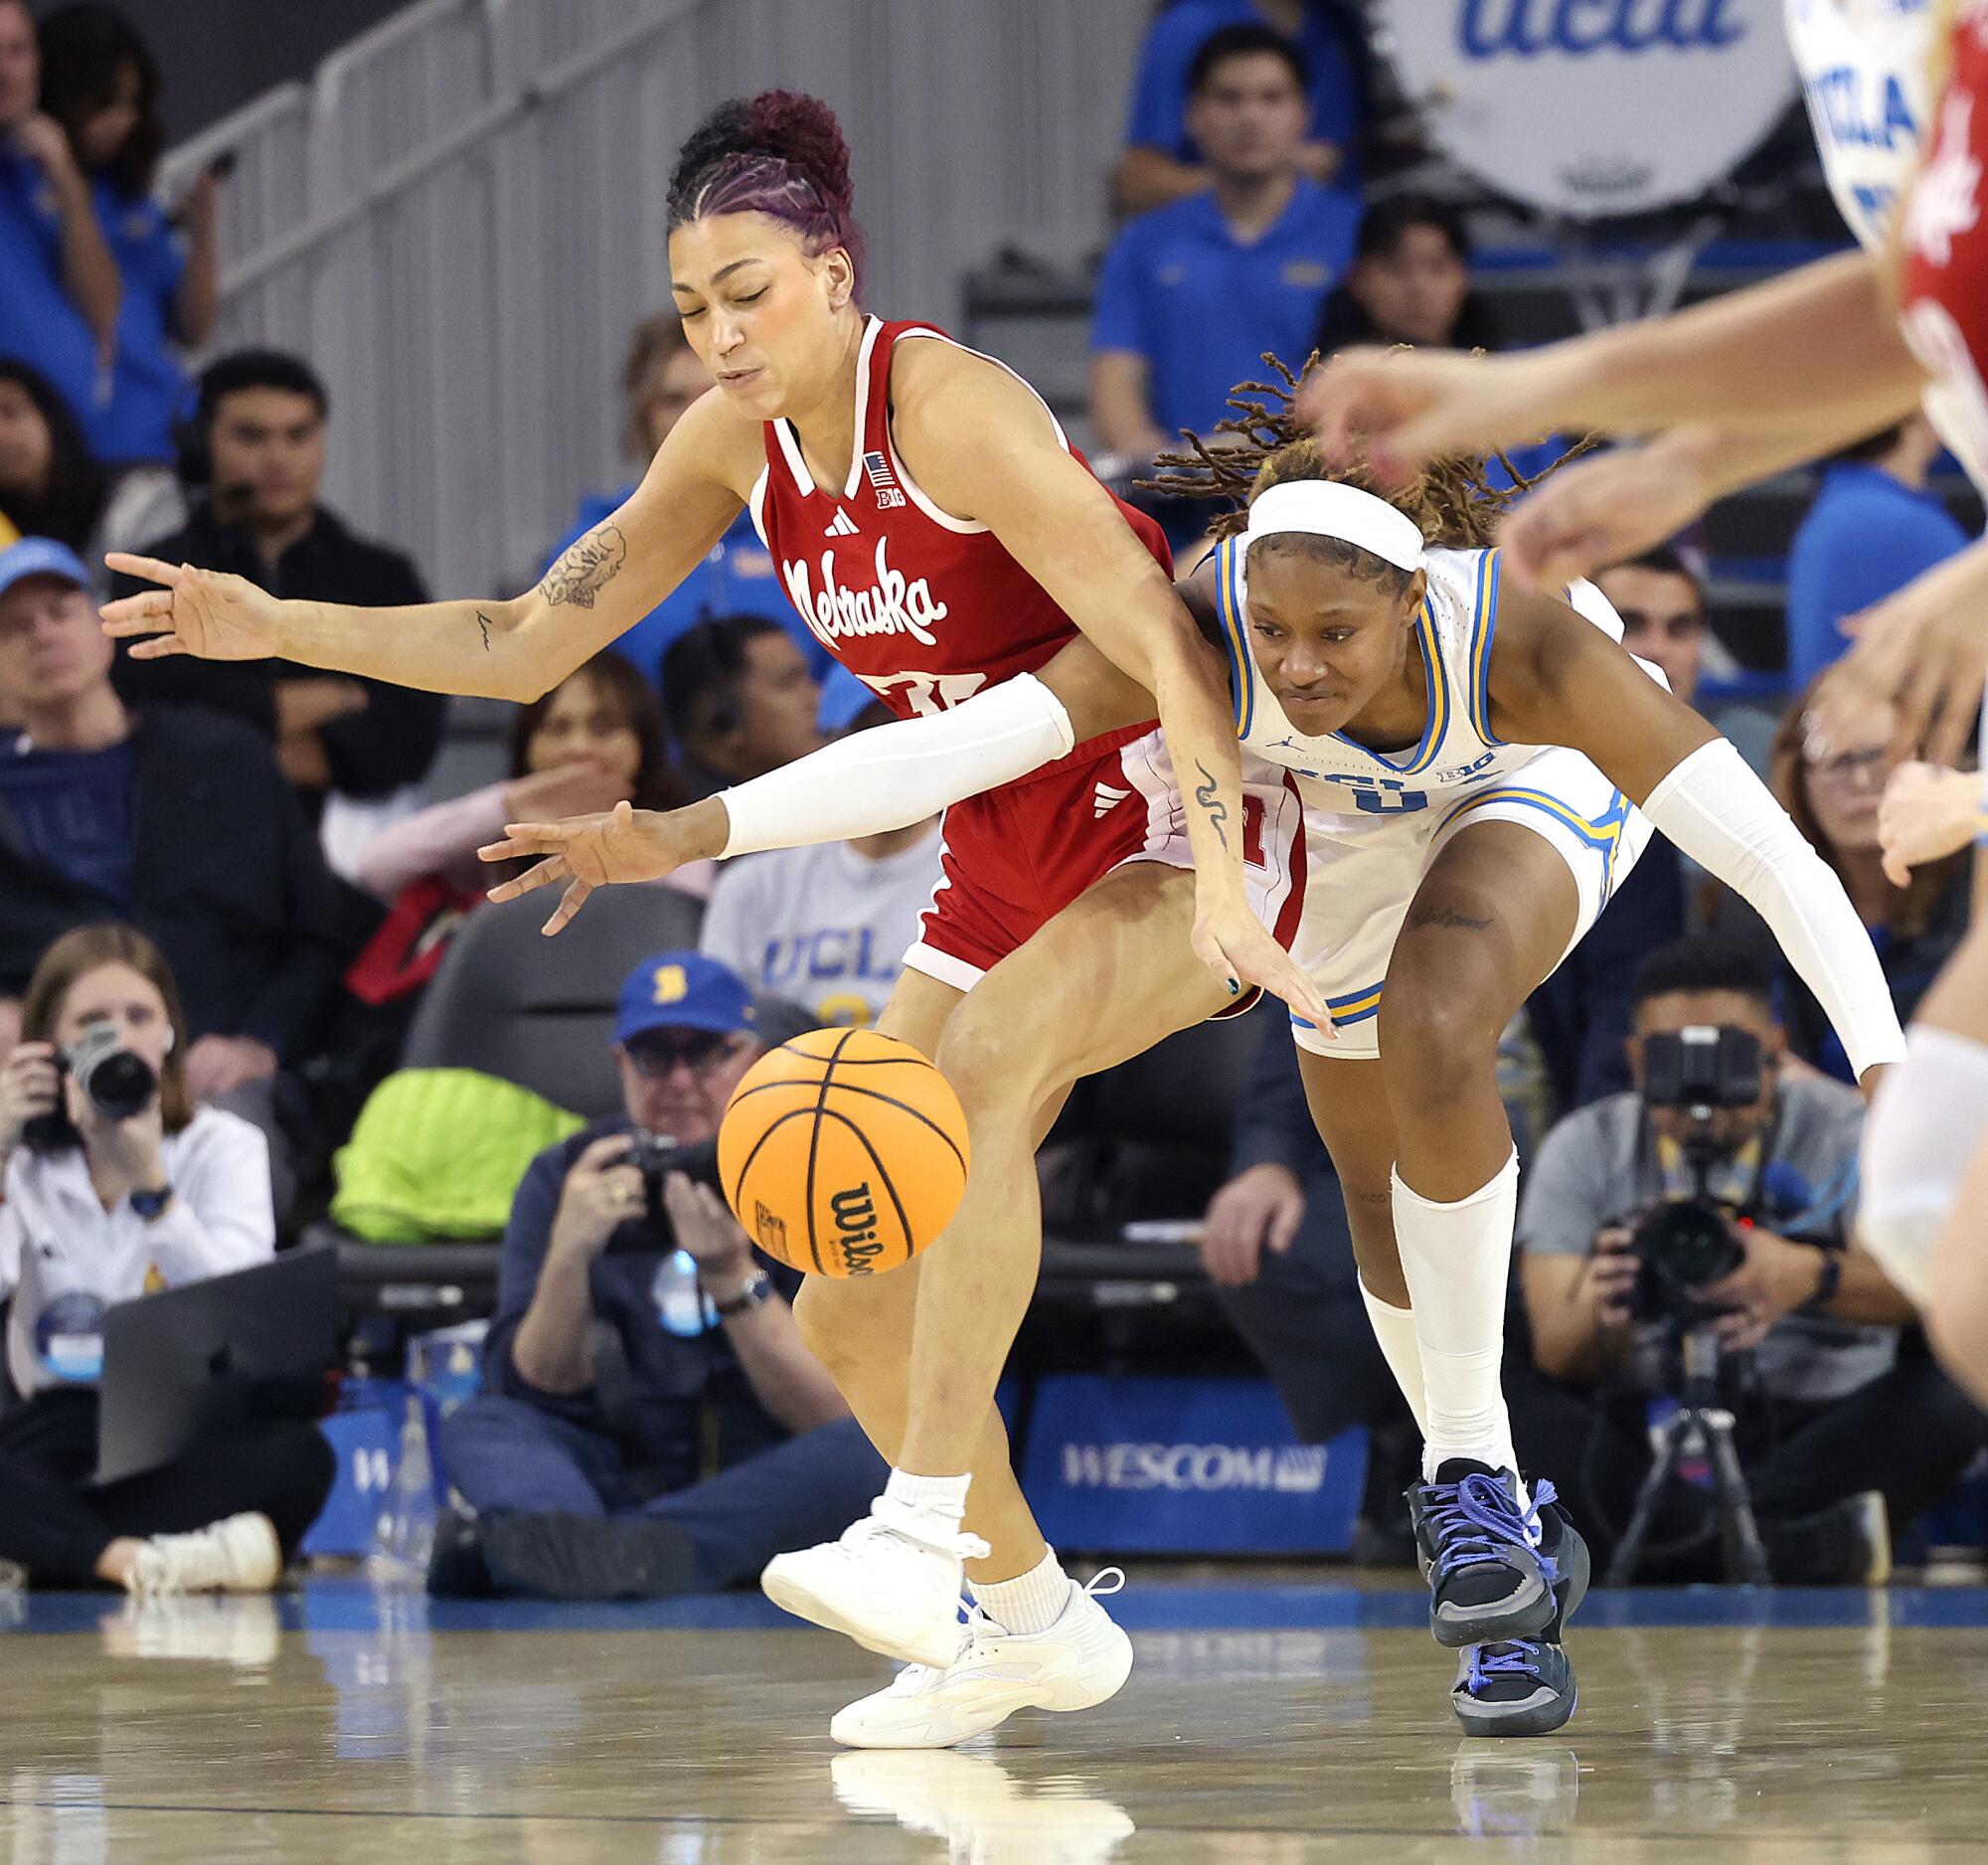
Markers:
point(1262, 445)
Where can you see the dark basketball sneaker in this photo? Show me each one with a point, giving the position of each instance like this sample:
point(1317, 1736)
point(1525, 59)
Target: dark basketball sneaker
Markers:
point(588, 1557)
point(1488, 1580)
point(1514, 1688)
point(1519, 1686)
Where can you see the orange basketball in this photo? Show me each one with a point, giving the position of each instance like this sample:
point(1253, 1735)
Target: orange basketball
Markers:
point(843, 1152)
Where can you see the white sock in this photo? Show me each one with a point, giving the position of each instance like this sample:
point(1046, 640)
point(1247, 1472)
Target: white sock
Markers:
point(1030, 1603)
point(1395, 1329)
point(1457, 1260)
point(939, 1499)
point(1930, 1114)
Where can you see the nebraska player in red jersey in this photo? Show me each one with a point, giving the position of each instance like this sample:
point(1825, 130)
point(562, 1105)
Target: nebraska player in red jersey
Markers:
point(941, 538)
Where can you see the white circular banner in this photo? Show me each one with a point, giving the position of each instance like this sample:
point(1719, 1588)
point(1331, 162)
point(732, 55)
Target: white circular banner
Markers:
point(1595, 107)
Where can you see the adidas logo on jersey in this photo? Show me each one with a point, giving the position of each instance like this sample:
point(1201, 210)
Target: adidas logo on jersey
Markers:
point(1106, 799)
point(842, 526)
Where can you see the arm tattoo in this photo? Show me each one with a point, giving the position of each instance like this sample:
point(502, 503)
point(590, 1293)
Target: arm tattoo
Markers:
point(1449, 919)
point(589, 564)
point(1218, 811)
point(484, 623)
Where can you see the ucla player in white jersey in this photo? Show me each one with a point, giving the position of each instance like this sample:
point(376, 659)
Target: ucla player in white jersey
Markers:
point(1469, 760)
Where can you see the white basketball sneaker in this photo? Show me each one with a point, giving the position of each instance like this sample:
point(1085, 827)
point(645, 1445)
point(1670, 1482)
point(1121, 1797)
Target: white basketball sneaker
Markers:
point(1080, 1661)
point(891, 1582)
point(238, 1555)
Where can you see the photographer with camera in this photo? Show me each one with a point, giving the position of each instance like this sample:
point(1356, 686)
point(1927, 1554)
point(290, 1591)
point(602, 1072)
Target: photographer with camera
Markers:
point(1690, 1240)
point(652, 1421)
point(112, 1185)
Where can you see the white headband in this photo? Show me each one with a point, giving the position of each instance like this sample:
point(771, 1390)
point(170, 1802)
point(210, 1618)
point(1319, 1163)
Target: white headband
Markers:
point(1326, 509)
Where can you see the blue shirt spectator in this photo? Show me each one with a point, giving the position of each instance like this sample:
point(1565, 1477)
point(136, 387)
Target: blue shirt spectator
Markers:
point(101, 84)
point(1193, 294)
point(1874, 528)
point(1164, 161)
point(58, 282)
point(1198, 301)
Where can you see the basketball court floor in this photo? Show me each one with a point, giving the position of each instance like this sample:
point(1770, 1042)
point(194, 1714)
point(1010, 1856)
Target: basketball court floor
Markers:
point(1266, 1722)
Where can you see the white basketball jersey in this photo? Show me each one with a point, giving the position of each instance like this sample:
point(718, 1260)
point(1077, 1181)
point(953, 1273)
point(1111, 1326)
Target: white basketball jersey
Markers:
point(1459, 753)
point(1863, 73)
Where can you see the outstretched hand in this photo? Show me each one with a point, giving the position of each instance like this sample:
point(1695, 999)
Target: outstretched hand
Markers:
point(1239, 951)
point(616, 845)
point(203, 612)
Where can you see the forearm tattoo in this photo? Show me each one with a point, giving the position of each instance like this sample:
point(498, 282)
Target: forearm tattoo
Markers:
point(1218, 810)
point(589, 566)
point(484, 623)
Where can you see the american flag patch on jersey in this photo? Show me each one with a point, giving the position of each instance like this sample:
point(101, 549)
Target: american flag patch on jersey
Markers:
point(879, 470)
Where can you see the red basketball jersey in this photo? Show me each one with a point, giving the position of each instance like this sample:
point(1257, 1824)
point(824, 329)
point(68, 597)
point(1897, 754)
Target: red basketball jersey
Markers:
point(924, 608)
point(1944, 293)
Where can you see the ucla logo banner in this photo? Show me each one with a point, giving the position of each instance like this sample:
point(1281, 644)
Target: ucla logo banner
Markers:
point(1595, 107)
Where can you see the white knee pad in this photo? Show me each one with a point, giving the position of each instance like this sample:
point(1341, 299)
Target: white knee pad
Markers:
point(1930, 1115)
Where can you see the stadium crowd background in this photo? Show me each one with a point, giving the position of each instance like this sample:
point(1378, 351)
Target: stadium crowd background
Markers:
point(299, 850)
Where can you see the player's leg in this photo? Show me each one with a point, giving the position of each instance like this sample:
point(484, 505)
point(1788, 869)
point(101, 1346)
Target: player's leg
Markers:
point(1102, 981)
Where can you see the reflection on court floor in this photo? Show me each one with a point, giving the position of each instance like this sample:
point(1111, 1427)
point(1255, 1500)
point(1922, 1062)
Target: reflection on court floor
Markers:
point(1272, 1723)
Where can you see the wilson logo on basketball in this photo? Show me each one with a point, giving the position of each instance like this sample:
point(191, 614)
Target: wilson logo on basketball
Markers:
point(854, 1212)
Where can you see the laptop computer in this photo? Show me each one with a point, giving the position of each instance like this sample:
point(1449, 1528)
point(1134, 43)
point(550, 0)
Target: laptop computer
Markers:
point(192, 1362)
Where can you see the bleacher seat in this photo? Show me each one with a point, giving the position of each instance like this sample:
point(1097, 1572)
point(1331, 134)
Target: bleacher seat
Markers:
point(533, 1010)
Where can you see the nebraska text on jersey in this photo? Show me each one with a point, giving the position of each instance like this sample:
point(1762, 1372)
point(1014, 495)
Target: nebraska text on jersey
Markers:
point(890, 605)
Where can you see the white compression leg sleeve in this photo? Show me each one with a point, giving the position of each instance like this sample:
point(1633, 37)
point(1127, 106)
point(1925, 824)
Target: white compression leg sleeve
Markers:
point(1395, 1329)
point(897, 774)
point(1458, 1261)
point(1727, 820)
point(1930, 1113)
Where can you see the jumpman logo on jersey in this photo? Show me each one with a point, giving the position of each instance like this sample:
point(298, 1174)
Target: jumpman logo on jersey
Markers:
point(841, 526)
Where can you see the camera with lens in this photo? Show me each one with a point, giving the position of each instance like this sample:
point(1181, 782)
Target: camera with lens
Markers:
point(656, 1156)
point(115, 1080)
point(1683, 1244)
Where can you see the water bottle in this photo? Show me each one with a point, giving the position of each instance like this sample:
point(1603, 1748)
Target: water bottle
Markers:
point(681, 1306)
point(406, 1528)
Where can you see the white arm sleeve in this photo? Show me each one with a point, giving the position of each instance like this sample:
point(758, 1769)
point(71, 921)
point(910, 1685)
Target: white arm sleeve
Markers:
point(1726, 819)
point(893, 776)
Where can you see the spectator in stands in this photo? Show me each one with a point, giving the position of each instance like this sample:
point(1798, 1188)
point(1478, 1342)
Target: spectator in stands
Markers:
point(1837, 1405)
point(1192, 294)
point(1410, 282)
point(1579, 1016)
point(261, 420)
point(175, 820)
point(1166, 152)
point(640, 1344)
point(1833, 791)
point(98, 1210)
point(59, 293)
point(596, 740)
point(50, 487)
point(826, 926)
point(660, 379)
point(741, 700)
point(1874, 527)
point(100, 83)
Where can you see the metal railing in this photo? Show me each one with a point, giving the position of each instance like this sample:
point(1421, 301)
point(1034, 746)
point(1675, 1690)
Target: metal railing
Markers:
point(462, 215)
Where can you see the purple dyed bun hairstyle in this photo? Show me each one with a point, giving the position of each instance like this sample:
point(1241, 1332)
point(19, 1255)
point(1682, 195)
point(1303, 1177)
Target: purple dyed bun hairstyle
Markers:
point(780, 153)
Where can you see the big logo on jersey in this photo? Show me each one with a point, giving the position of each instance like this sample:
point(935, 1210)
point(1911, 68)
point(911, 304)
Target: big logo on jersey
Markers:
point(1593, 107)
point(890, 605)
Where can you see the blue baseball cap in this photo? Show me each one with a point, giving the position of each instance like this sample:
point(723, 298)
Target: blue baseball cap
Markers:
point(41, 557)
point(683, 991)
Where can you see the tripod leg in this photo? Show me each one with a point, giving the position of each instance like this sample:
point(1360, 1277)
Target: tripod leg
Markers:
point(1629, 1550)
point(1746, 1559)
